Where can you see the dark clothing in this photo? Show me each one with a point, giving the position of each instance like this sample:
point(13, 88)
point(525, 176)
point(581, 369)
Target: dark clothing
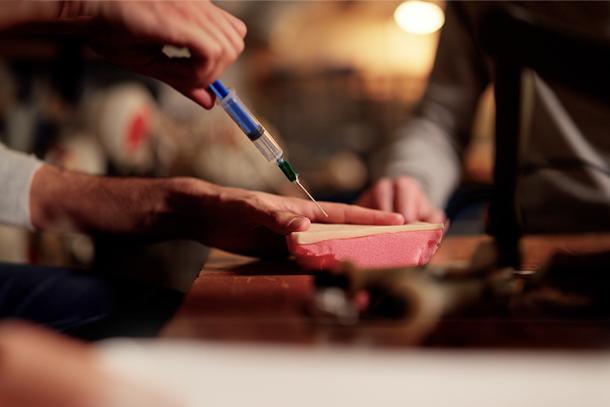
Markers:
point(84, 304)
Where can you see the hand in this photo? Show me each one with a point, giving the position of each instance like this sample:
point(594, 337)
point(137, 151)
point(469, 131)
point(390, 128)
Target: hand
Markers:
point(403, 195)
point(255, 223)
point(240, 221)
point(132, 34)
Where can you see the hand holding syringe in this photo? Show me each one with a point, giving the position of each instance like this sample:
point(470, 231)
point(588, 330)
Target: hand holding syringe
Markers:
point(247, 123)
point(257, 134)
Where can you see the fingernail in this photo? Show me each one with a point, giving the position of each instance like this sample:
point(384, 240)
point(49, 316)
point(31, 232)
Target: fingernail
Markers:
point(296, 222)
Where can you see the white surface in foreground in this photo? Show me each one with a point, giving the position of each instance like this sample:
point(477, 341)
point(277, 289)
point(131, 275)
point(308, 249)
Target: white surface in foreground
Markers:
point(201, 373)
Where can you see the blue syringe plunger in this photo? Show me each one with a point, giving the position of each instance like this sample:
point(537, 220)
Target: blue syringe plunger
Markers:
point(240, 114)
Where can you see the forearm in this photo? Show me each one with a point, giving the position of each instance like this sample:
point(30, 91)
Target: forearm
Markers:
point(65, 201)
point(428, 155)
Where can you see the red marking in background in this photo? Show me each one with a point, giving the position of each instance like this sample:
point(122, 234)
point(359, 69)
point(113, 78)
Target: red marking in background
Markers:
point(139, 131)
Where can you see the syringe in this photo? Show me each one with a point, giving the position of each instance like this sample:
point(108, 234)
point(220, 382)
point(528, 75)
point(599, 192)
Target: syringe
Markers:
point(257, 134)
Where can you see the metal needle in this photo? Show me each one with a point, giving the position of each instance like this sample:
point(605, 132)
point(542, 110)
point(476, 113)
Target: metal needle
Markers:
point(310, 197)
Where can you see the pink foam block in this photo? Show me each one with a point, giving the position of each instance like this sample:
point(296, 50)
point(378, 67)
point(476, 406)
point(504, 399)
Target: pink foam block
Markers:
point(383, 248)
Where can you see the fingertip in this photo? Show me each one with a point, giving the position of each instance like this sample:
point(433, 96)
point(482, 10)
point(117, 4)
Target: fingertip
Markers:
point(435, 215)
point(394, 218)
point(446, 226)
point(441, 217)
point(399, 219)
point(298, 224)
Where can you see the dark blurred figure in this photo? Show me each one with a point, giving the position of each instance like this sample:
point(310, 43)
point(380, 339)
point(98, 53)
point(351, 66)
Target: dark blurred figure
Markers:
point(565, 182)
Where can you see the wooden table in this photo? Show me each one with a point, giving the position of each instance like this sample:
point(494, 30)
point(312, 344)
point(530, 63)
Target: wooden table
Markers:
point(237, 298)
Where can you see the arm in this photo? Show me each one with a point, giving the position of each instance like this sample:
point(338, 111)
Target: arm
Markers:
point(132, 34)
point(422, 166)
point(236, 220)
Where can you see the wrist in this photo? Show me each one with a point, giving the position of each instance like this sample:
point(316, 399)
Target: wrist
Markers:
point(44, 191)
point(175, 208)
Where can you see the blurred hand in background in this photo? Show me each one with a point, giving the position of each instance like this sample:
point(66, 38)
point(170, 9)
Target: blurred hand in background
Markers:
point(403, 195)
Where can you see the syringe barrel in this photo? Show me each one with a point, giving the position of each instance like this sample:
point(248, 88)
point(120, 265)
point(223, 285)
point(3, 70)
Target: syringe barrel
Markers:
point(261, 138)
point(267, 145)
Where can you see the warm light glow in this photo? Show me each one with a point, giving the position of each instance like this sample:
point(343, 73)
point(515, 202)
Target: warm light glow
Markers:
point(419, 17)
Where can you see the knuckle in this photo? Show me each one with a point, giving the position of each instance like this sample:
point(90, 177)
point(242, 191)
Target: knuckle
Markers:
point(250, 200)
point(215, 51)
point(405, 181)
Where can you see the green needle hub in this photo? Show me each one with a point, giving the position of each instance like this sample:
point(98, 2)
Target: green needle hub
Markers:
point(288, 171)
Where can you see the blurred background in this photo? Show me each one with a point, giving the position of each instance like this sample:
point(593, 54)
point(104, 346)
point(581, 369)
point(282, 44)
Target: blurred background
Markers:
point(330, 80)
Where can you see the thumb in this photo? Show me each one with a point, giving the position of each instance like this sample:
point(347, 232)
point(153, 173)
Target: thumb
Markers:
point(202, 96)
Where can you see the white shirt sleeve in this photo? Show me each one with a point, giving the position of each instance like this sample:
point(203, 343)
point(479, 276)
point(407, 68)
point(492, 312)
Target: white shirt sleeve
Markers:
point(16, 173)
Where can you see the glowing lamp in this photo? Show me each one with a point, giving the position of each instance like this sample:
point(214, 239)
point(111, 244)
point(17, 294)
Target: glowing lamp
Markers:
point(419, 17)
